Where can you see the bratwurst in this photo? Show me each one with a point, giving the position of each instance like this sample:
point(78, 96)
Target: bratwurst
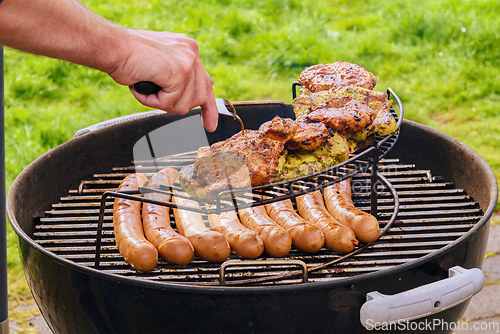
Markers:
point(277, 241)
point(338, 237)
point(129, 233)
point(338, 199)
point(306, 237)
point(209, 245)
point(243, 241)
point(171, 246)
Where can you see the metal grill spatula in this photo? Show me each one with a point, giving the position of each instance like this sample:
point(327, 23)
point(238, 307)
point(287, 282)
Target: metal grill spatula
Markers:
point(147, 88)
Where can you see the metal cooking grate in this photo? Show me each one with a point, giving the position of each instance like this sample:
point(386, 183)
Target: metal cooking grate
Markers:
point(432, 214)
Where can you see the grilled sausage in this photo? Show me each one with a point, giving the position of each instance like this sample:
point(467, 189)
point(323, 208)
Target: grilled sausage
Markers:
point(338, 237)
point(171, 246)
point(277, 241)
point(338, 199)
point(129, 234)
point(306, 237)
point(209, 245)
point(245, 242)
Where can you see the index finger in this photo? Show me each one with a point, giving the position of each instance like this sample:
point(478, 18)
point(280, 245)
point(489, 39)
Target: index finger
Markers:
point(209, 113)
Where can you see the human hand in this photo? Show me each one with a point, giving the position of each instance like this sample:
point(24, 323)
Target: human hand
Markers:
point(171, 61)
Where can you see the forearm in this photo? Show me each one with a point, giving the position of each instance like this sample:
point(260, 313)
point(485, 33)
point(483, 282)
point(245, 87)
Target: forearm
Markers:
point(62, 29)
point(65, 29)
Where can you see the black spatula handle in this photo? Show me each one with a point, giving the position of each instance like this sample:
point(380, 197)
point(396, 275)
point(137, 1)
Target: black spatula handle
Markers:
point(146, 87)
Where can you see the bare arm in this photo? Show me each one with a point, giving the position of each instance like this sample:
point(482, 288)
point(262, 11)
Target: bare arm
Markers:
point(67, 30)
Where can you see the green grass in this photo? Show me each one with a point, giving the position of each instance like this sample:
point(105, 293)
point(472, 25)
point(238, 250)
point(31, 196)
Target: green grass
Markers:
point(441, 57)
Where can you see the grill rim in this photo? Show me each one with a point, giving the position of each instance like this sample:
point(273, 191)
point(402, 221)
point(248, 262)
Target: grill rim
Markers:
point(192, 288)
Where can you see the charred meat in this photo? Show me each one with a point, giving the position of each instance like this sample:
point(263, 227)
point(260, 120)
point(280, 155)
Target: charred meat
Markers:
point(240, 161)
point(383, 123)
point(280, 129)
point(342, 114)
point(336, 75)
point(309, 136)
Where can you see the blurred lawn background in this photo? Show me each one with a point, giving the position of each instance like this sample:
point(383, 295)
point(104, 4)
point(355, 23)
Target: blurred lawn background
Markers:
point(442, 58)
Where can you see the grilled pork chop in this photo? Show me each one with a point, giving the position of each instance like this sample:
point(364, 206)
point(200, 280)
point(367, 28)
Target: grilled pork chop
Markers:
point(280, 129)
point(383, 122)
point(342, 114)
point(306, 136)
point(336, 75)
point(309, 136)
point(240, 161)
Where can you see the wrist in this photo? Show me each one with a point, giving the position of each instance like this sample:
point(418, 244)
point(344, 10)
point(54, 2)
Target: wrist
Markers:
point(110, 48)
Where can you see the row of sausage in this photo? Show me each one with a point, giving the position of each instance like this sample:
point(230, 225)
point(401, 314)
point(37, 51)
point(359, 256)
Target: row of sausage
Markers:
point(328, 219)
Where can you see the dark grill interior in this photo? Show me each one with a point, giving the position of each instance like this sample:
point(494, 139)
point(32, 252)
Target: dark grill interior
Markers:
point(432, 214)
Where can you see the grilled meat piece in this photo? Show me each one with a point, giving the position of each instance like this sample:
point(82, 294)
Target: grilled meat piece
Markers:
point(383, 123)
point(342, 114)
point(212, 165)
point(281, 129)
point(261, 153)
point(240, 161)
point(336, 75)
point(217, 171)
point(309, 136)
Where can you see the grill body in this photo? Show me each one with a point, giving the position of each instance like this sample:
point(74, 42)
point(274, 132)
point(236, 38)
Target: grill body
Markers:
point(72, 301)
point(79, 299)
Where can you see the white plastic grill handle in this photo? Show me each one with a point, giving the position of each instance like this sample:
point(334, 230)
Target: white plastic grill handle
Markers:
point(116, 121)
point(423, 301)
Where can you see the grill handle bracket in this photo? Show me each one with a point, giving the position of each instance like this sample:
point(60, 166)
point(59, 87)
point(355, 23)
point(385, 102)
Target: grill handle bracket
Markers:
point(381, 310)
point(247, 263)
